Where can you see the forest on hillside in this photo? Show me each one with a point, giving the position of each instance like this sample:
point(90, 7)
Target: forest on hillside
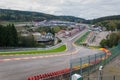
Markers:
point(16, 15)
point(111, 40)
point(115, 17)
point(111, 23)
point(10, 38)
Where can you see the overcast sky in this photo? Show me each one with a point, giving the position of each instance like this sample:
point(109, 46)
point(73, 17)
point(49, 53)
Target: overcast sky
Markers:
point(87, 9)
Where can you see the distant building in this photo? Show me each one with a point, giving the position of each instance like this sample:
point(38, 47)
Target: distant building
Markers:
point(53, 23)
point(71, 31)
point(24, 33)
point(36, 35)
point(43, 38)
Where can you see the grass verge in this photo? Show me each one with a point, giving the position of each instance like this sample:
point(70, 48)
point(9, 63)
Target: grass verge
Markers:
point(94, 47)
point(82, 39)
point(59, 49)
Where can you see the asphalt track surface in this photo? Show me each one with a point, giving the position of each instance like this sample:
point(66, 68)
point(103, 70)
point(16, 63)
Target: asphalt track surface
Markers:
point(19, 67)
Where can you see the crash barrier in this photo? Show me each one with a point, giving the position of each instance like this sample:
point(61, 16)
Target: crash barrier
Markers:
point(50, 76)
point(27, 49)
point(83, 66)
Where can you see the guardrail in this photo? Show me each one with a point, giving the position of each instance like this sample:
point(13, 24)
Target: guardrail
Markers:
point(27, 49)
point(57, 75)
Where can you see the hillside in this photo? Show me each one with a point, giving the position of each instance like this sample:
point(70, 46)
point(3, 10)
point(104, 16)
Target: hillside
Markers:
point(101, 19)
point(110, 22)
point(16, 15)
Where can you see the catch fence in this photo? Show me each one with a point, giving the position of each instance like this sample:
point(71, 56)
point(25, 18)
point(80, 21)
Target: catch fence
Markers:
point(87, 65)
point(83, 66)
point(112, 77)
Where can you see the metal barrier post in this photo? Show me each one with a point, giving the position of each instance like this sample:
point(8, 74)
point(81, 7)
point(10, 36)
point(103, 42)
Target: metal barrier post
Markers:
point(105, 59)
point(81, 66)
point(89, 66)
point(114, 77)
point(95, 61)
point(70, 69)
point(101, 62)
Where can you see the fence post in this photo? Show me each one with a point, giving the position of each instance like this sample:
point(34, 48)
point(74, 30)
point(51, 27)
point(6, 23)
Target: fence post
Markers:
point(101, 62)
point(114, 77)
point(81, 66)
point(95, 62)
point(105, 59)
point(88, 66)
point(70, 69)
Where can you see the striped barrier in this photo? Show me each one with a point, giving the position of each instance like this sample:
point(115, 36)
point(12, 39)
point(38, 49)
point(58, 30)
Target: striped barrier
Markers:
point(47, 75)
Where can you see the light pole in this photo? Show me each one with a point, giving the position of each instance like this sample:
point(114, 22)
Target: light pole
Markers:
point(100, 73)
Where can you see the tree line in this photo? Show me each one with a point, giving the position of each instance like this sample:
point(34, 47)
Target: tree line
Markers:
point(111, 40)
point(16, 15)
point(52, 30)
point(111, 25)
point(102, 19)
point(114, 17)
point(10, 38)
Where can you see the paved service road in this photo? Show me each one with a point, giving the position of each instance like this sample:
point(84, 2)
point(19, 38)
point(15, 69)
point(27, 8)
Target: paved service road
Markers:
point(19, 67)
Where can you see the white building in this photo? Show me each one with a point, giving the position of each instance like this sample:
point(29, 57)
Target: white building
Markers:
point(36, 35)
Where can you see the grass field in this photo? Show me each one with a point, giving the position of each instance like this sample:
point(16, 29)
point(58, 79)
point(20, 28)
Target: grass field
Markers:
point(12, 22)
point(59, 49)
point(82, 39)
point(94, 47)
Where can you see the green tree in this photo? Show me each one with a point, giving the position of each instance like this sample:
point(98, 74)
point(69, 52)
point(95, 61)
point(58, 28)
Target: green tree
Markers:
point(56, 29)
point(113, 39)
point(27, 41)
point(2, 36)
point(104, 43)
point(110, 25)
point(8, 36)
point(14, 35)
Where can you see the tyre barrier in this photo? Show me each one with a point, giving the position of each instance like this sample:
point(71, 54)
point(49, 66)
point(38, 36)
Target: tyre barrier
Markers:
point(47, 75)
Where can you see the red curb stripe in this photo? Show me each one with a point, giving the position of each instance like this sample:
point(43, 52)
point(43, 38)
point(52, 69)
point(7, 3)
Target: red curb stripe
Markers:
point(1, 60)
point(38, 57)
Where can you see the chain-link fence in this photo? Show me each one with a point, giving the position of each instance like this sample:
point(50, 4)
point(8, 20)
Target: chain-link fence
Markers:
point(113, 77)
point(86, 65)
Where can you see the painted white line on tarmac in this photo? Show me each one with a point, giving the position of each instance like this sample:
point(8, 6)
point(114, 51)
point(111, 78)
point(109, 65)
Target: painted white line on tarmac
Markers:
point(38, 57)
